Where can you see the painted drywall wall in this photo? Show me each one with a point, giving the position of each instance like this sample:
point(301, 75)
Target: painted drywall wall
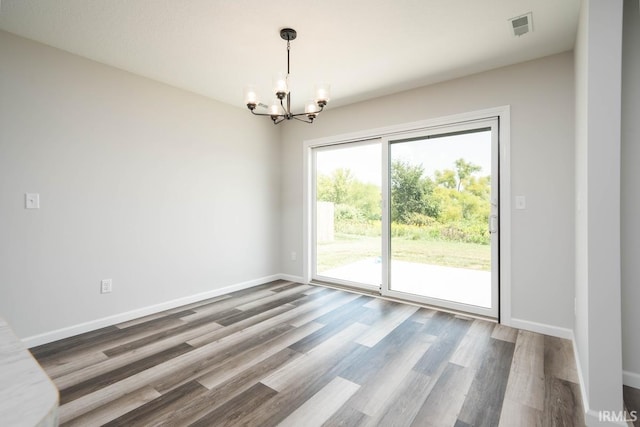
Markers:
point(541, 97)
point(630, 202)
point(168, 193)
point(597, 288)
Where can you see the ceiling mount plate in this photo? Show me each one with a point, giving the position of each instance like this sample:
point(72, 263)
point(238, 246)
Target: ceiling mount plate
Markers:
point(288, 34)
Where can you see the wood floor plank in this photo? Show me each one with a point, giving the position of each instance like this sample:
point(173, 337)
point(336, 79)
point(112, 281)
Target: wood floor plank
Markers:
point(214, 361)
point(120, 336)
point(249, 313)
point(43, 352)
point(285, 285)
point(632, 401)
point(323, 309)
point(394, 361)
point(112, 363)
point(526, 379)
point(111, 377)
point(450, 331)
point(558, 359)
point(483, 404)
point(75, 363)
point(190, 307)
point(346, 416)
point(446, 398)
point(280, 406)
point(149, 412)
point(289, 315)
point(232, 412)
point(199, 357)
point(563, 405)
point(115, 409)
point(219, 333)
point(423, 315)
point(227, 304)
point(277, 296)
point(322, 405)
point(385, 325)
point(516, 414)
point(407, 402)
point(234, 366)
point(349, 313)
point(473, 345)
point(305, 355)
point(345, 311)
point(504, 333)
point(203, 404)
point(325, 353)
point(89, 342)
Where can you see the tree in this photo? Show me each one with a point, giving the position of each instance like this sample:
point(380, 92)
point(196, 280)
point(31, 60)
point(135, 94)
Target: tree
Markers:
point(411, 193)
point(353, 199)
point(446, 178)
point(464, 171)
point(336, 187)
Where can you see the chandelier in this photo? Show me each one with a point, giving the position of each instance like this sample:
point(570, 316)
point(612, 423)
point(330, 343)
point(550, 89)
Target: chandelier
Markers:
point(280, 108)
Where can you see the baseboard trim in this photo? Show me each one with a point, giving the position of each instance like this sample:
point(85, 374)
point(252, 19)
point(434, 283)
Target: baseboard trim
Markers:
point(542, 328)
point(291, 278)
point(92, 325)
point(631, 379)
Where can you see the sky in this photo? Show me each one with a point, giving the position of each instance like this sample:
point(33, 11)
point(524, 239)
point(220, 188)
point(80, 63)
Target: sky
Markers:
point(364, 160)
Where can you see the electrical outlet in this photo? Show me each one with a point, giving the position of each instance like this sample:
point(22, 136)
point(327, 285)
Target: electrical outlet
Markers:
point(294, 256)
point(106, 286)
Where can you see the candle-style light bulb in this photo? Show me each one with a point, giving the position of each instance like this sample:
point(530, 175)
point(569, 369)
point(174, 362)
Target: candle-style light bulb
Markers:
point(250, 97)
point(280, 86)
point(274, 108)
point(323, 94)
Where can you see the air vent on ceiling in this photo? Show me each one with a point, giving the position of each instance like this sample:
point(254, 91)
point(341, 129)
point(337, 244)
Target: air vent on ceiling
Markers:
point(522, 24)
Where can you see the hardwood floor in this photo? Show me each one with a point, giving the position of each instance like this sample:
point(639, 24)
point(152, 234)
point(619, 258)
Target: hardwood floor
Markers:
point(299, 355)
point(632, 403)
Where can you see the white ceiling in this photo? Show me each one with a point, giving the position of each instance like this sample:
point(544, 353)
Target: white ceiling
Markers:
point(364, 48)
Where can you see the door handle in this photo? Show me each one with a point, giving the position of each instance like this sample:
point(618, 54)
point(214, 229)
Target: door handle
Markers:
point(493, 224)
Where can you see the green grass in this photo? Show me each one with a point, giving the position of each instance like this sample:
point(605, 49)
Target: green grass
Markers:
point(349, 248)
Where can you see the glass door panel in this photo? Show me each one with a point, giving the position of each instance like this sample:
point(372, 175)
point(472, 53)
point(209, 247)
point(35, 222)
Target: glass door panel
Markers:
point(347, 214)
point(443, 206)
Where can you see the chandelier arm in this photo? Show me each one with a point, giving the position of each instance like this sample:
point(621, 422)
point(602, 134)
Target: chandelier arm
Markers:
point(286, 112)
point(261, 114)
point(300, 114)
point(301, 120)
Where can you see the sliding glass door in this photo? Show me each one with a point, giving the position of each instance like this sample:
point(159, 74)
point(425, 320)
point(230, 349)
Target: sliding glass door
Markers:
point(442, 221)
point(413, 215)
point(347, 214)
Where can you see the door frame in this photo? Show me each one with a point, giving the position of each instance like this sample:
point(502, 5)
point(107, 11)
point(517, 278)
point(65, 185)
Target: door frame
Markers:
point(502, 113)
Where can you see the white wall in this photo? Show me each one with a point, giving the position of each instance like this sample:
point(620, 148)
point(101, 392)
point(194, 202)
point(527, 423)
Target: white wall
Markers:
point(630, 194)
point(597, 288)
point(168, 193)
point(541, 95)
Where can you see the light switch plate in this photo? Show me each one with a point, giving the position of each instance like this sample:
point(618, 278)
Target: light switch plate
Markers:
point(521, 202)
point(32, 201)
point(106, 286)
